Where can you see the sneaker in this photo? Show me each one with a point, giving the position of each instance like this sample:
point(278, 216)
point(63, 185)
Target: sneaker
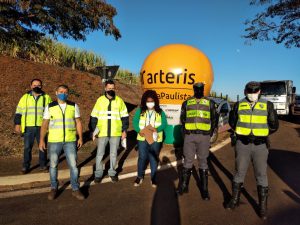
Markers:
point(52, 194)
point(153, 183)
point(114, 179)
point(77, 194)
point(97, 180)
point(24, 170)
point(138, 181)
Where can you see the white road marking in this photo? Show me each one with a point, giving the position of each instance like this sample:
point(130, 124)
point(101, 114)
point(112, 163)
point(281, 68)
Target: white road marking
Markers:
point(32, 191)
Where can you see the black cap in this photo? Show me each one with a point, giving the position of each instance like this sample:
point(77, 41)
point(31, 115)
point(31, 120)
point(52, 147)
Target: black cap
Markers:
point(252, 87)
point(198, 85)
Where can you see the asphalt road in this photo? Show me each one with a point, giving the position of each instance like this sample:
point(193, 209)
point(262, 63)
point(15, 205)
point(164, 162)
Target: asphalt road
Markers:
point(122, 203)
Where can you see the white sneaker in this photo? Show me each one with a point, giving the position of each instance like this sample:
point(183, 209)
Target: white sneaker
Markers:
point(138, 181)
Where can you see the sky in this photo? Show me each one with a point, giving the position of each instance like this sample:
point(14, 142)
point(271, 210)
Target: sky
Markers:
point(215, 27)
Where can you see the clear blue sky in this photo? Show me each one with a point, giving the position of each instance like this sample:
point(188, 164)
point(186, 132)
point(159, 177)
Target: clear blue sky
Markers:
point(215, 27)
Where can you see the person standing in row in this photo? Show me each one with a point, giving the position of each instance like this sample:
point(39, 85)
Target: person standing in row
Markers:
point(149, 116)
point(28, 121)
point(62, 121)
point(198, 118)
point(253, 119)
point(110, 120)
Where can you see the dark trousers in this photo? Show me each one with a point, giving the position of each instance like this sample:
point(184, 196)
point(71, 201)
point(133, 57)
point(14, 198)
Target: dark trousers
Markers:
point(258, 154)
point(147, 153)
point(196, 144)
point(30, 134)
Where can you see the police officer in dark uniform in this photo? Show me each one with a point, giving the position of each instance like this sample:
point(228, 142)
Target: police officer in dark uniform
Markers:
point(198, 117)
point(253, 119)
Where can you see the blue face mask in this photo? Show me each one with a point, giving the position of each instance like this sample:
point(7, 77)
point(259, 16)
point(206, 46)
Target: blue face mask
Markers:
point(62, 96)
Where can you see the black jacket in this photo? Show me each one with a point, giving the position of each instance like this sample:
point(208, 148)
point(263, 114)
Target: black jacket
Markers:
point(213, 117)
point(272, 118)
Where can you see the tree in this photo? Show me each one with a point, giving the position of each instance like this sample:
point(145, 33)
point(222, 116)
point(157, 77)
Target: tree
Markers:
point(27, 21)
point(279, 22)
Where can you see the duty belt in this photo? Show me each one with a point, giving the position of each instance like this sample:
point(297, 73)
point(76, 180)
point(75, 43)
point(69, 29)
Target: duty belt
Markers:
point(251, 139)
point(197, 132)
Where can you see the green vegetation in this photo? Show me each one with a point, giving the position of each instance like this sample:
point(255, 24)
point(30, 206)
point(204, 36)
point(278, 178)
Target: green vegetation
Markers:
point(52, 52)
point(127, 77)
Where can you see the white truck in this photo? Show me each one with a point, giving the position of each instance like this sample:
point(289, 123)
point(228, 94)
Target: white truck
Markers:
point(282, 93)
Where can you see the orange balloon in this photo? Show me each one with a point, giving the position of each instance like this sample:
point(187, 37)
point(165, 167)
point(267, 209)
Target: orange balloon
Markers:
point(171, 71)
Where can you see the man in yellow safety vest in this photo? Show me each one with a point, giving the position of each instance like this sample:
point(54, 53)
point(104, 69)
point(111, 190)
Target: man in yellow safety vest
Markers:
point(252, 119)
point(62, 121)
point(109, 122)
point(198, 117)
point(28, 121)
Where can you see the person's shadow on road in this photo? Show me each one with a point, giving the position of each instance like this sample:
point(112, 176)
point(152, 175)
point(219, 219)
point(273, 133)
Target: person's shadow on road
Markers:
point(165, 206)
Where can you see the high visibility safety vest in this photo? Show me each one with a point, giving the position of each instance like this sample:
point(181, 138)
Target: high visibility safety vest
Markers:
point(32, 110)
point(109, 114)
point(155, 122)
point(252, 121)
point(62, 126)
point(198, 114)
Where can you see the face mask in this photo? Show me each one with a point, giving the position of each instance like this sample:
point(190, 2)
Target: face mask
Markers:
point(111, 93)
point(252, 97)
point(62, 96)
point(37, 90)
point(150, 105)
point(198, 92)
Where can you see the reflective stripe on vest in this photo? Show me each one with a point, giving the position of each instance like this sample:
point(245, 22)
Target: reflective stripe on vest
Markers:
point(155, 121)
point(32, 110)
point(103, 114)
point(253, 121)
point(198, 114)
point(62, 126)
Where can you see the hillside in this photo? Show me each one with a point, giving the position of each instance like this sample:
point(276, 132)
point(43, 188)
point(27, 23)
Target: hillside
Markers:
point(85, 88)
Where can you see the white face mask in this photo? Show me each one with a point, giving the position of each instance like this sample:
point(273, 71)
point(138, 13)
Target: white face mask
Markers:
point(150, 105)
point(252, 97)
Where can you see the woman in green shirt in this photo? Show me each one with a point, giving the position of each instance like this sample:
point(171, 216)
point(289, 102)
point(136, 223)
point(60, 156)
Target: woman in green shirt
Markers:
point(149, 115)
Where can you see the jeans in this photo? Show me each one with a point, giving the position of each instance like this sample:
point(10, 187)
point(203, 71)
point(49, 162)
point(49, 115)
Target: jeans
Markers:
point(114, 144)
point(30, 134)
point(70, 150)
point(147, 153)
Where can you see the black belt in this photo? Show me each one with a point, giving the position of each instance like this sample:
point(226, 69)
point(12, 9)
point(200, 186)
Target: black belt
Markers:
point(197, 132)
point(254, 140)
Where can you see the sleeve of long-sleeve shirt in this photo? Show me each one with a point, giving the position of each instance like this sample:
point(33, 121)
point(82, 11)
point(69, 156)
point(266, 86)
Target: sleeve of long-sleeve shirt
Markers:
point(213, 115)
point(233, 116)
point(272, 118)
point(124, 116)
point(183, 113)
point(19, 111)
point(163, 122)
point(136, 120)
point(93, 123)
point(93, 118)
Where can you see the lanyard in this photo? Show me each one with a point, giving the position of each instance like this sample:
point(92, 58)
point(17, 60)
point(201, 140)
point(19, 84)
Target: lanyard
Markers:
point(149, 115)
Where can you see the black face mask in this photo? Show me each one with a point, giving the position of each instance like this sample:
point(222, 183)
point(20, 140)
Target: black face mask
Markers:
point(198, 92)
point(37, 90)
point(111, 93)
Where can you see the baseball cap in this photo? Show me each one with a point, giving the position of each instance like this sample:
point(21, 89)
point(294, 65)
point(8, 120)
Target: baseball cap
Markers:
point(252, 87)
point(198, 85)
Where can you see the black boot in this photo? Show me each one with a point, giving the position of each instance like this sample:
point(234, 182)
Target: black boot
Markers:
point(263, 198)
point(204, 184)
point(236, 193)
point(184, 180)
